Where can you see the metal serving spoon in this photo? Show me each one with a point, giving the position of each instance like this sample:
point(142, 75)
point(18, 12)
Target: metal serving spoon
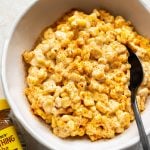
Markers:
point(136, 77)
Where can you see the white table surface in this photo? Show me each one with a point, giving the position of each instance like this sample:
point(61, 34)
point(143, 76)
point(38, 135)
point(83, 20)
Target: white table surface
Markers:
point(9, 10)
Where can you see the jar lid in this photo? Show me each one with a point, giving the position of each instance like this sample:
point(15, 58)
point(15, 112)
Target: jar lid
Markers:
point(3, 104)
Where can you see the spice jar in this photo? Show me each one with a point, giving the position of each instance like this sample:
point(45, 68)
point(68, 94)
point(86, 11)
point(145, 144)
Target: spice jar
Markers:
point(8, 136)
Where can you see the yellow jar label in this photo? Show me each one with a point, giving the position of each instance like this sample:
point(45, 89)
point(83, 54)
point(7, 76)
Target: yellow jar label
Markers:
point(9, 139)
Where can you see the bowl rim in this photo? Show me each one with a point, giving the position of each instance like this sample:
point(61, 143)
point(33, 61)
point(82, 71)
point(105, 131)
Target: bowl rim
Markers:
point(16, 112)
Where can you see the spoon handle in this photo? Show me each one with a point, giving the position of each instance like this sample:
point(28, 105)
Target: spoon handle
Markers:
point(143, 136)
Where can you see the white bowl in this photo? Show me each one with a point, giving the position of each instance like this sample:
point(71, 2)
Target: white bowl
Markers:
point(25, 32)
